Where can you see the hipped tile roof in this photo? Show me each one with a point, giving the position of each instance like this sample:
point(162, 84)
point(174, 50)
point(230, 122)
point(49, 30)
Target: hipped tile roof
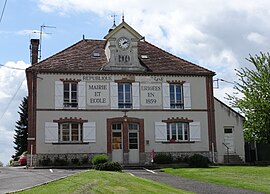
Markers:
point(79, 58)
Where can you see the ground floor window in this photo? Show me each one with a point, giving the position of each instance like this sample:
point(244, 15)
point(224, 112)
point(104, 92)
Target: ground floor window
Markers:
point(177, 131)
point(116, 136)
point(70, 132)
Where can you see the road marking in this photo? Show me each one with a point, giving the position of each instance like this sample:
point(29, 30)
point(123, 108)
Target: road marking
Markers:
point(150, 171)
point(131, 174)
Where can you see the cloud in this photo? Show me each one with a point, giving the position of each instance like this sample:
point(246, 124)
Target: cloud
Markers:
point(12, 81)
point(218, 35)
point(33, 33)
point(256, 38)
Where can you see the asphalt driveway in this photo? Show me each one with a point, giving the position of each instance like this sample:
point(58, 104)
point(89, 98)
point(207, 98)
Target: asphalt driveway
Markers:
point(17, 178)
point(187, 184)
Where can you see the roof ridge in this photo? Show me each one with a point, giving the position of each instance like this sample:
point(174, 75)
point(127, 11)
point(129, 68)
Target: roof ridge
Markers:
point(179, 57)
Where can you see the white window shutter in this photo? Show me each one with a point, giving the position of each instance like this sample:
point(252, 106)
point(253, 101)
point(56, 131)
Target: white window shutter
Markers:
point(114, 95)
point(81, 95)
point(195, 131)
point(187, 97)
point(59, 92)
point(166, 95)
point(136, 95)
point(160, 131)
point(89, 132)
point(51, 132)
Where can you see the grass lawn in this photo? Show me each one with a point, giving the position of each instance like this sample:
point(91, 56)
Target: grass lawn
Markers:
point(103, 182)
point(246, 177)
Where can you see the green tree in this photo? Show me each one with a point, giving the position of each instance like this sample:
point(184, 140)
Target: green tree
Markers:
point(254, 87)
point(21, 131)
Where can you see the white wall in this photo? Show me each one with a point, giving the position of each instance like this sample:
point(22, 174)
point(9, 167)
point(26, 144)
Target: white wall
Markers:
point(47, 113)
point(226, 117)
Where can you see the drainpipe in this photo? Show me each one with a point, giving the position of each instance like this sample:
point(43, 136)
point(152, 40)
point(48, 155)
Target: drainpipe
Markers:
point(213, 153)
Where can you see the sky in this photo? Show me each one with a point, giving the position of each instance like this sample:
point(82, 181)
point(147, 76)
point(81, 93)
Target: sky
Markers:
point(216, 34)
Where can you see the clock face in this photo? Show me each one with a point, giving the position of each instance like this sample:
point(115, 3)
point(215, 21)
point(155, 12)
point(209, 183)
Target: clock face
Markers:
point(123, 43)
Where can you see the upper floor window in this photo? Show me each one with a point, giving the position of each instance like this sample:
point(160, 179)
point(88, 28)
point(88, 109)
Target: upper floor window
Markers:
point(124, 95)
point(176, 96)
point(70, 94)
point(177, 131)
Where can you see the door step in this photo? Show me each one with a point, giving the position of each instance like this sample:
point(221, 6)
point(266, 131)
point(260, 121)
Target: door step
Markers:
point(233, 159)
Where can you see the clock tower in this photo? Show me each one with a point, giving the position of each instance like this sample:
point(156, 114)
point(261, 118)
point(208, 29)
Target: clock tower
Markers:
point(122, 49)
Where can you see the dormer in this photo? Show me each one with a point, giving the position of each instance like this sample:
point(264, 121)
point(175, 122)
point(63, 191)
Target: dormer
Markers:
point(122, 49)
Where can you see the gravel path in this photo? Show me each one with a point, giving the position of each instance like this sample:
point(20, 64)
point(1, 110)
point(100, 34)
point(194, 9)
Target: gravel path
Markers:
point(187, 184)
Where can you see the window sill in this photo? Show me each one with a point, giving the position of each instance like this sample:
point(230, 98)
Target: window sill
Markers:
point(177, 142)
point(64, 107)
point(68, 143)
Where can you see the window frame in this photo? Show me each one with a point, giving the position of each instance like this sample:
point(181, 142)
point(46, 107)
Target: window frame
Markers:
point(70, 132)
point(133, 128)
point(125, 104)
point(173, 129)
point(117, 141)
point(174, 104)
point(70, 101)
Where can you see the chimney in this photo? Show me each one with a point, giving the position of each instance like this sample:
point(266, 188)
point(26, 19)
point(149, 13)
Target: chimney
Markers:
point(34, 50)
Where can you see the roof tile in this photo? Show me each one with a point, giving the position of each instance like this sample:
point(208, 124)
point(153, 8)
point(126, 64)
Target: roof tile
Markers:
point(79, 58)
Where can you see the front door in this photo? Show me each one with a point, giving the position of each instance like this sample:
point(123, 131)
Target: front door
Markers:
point(228, 139)
point(133, 142)
point(125, 140)
point(117, 143)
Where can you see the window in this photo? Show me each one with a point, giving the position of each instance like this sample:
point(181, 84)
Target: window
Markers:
point(176, 96)
point(177, 131)
point(228, 130)
point(70, 95)
point(117, 136)
point(70, 132)
point(124, 95)
point(133, 135)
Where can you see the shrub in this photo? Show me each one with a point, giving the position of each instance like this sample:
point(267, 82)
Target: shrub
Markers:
point(75, 161)
point(60, 162)
point(25, 152)
point(109, 166)
point(85, 160)
point(163, 158)
point(45, 161)
point(198, 161)
point(99, 159)
point(182, 159)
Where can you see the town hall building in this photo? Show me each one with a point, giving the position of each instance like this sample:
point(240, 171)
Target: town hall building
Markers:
point(127, 98)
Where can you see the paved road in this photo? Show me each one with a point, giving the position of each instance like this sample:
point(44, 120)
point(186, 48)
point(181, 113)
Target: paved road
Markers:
point(17, 178)
point(187, 184)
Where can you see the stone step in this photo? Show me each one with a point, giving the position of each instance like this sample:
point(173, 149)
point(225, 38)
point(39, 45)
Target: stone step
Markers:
point(233, 159)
